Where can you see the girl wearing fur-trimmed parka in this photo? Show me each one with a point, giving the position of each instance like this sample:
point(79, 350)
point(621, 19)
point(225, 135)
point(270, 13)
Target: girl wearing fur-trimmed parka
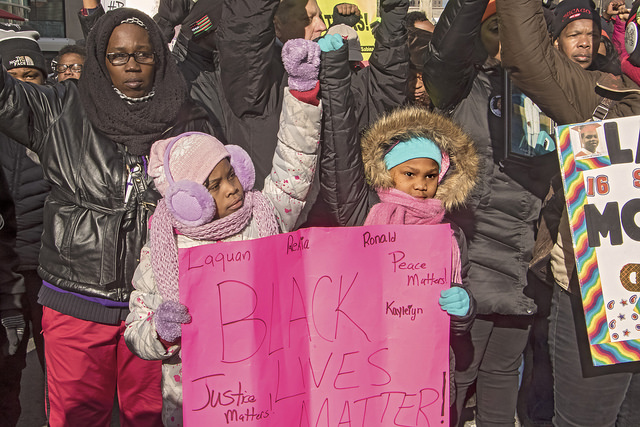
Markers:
point(227, 209)
point(392, 185)
point(419, 164)
point(407, 154)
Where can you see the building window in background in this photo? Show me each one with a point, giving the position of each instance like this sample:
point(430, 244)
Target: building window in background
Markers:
point(47, 17)
point(15, 7)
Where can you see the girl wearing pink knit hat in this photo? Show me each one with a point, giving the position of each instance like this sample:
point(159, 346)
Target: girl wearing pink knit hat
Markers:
point(208, 196)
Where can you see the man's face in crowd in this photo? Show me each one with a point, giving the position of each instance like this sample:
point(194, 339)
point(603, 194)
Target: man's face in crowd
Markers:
point(316, 25)
point(27, 74)
point(304, 23)
point(133, 79)
point(70, 59)
point(579, 40)
point(589, 140)
point(490, 37)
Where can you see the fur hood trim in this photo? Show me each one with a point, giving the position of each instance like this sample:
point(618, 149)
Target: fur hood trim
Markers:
point(408, 122)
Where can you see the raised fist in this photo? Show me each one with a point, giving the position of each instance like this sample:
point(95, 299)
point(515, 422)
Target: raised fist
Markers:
point(301, 59)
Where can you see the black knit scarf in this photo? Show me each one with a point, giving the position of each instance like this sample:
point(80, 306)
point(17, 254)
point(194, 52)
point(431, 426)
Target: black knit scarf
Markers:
point(135, 125)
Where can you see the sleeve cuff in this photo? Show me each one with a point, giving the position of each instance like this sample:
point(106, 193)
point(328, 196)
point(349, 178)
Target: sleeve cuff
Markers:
point(308, 96)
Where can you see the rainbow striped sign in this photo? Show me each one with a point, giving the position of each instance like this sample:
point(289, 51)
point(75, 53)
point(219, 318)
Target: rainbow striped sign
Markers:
point(600, 166)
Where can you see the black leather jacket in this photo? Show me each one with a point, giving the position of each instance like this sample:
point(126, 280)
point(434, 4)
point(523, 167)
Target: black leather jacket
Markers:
point(92, 237)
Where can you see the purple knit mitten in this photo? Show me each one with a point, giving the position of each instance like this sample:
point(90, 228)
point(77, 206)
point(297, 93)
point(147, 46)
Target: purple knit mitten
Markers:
point(169, 318)
point(301, 59)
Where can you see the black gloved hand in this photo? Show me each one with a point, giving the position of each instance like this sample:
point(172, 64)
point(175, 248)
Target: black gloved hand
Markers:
point(350, 18)
point(14, 324)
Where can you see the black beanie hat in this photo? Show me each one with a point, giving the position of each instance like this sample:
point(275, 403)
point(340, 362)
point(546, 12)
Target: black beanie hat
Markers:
point(571, 10)
point(18, 48)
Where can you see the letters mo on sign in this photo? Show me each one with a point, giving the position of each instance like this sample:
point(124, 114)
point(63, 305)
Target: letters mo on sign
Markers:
point(320, 327)
point(600, 165)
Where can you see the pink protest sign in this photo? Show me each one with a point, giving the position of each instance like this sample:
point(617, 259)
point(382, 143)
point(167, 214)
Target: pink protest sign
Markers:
point(319, 327)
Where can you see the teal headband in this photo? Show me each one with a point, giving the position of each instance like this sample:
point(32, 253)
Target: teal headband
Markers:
point(413, 148)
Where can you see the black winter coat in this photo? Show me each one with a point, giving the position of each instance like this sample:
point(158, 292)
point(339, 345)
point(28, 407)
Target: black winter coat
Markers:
point(92, 236)
point(29, 191)
point(500, 218)
point(11, 283)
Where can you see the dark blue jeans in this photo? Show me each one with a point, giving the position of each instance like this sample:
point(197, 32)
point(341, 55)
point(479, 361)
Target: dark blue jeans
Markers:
point(586, 395)
point(490, 355)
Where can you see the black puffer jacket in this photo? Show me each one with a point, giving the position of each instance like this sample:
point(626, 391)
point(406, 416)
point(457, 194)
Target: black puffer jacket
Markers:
point(500, 218)
point(11, 283)
point(342, 184)
point(29, 191)
point(92, 236)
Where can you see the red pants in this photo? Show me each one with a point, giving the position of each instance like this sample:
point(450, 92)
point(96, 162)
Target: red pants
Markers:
point(85, 363)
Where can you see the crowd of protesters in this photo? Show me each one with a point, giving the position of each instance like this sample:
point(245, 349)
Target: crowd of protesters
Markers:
point(234, 120)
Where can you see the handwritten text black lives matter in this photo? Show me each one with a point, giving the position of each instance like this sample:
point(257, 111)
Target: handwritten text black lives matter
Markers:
point(349, 378)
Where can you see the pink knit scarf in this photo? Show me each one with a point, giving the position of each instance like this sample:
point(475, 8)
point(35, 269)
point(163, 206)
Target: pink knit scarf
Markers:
point(164, 249)
point(398, 207)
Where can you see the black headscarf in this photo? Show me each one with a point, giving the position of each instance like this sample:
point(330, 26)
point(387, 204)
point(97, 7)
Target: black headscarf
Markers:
point(136, 125)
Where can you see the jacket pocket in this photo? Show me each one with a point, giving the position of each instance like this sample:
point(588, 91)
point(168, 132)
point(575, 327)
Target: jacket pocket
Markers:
point(86, 242)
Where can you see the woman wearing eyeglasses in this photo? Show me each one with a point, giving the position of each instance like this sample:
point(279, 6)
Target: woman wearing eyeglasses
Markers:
point(93, 139)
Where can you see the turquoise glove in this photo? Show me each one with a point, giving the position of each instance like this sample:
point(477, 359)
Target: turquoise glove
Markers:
point(330, 42)
point(454, 301)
